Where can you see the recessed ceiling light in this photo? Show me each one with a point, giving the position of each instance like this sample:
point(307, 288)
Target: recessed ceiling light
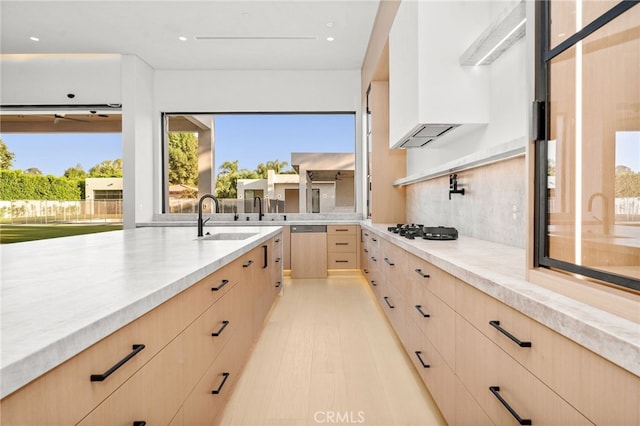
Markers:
point(330, 24)
point(182, 38)
point(32, 38)
point(330, 38)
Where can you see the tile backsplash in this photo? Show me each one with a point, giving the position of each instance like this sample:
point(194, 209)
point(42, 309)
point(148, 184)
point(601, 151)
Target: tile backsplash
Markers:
point(492, 207)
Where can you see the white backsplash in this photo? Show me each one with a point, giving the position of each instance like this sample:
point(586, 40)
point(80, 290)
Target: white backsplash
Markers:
point(492, 207)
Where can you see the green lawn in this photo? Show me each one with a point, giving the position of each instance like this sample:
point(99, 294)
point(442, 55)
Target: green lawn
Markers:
point(19, 233)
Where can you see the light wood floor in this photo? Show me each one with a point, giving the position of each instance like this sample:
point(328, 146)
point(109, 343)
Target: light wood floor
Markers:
point(327, 355)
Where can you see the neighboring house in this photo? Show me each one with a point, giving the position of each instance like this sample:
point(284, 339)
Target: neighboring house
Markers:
point(326, 186)
point(103, 188)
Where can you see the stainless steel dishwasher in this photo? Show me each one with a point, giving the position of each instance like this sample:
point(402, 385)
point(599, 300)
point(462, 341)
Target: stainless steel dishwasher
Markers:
point(308, 251)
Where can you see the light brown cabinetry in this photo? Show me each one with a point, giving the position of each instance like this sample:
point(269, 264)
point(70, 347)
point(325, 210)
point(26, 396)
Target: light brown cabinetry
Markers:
point(387, 202)
point(478, 356)
point(211, 323)
point(342, 247)
point(308, 251)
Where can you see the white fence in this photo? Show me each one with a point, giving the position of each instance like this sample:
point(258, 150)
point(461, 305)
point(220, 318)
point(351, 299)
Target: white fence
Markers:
point(53, 211)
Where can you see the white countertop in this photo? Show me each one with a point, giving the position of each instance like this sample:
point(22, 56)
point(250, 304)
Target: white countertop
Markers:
point(60, 296)
point(499, 271)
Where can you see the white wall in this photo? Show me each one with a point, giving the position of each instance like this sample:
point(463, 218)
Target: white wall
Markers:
point(47, 79)
point(141, 152)
point(219, 91)
point(145, 93)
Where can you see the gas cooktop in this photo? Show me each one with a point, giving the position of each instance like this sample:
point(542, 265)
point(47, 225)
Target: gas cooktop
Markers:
point(413, 231)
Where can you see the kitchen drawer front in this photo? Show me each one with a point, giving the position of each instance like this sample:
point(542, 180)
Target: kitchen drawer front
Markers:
point(439, 326)
point(341, 243)
point(207, 291)
point(202, 407)
point(393, 265)
point(342, 260)
point(438, 281)
point(469, 412)
point(207, 336)
point(556, 360)
point(393, 305)
point(481, 365)
point(438, 376)
point(154, 394)
point(342, 229)
point(80, 395)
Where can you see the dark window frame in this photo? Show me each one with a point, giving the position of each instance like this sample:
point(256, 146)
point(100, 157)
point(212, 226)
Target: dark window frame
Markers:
point(543, 56)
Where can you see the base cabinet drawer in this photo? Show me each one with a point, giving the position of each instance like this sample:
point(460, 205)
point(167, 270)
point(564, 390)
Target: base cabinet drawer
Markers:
point(205, 404)
point(152, 395)
point(342, 260)
point(434, 371)
point(503, 388)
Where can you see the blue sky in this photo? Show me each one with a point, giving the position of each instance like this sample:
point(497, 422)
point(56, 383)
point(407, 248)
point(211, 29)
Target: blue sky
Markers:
point(250, 138)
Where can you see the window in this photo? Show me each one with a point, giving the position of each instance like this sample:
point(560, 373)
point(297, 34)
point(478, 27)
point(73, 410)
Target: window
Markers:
point(283, 158)
point(588, 152)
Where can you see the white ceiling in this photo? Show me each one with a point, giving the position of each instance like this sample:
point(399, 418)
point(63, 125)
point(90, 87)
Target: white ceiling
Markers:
point(263, 34)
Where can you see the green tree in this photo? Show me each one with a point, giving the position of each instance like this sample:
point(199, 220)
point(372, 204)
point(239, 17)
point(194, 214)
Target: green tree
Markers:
point(6, 156)
point(183, 159)
point(76, 172)
point(227, 180)
point(107, 168)
point(275, 165)
point(33, 171)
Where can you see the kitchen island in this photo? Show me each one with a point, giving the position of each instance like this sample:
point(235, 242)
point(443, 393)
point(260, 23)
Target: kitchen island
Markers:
point(61, 296)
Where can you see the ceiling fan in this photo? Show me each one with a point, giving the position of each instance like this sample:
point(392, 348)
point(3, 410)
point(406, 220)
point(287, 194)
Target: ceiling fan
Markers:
point(59, 118)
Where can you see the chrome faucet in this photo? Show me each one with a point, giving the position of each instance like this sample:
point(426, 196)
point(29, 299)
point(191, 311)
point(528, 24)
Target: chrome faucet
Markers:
point(605, 210)
point(200, 221)
point(259, 200)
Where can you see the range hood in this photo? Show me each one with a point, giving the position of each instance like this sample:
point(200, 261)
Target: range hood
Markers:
point(422, 134)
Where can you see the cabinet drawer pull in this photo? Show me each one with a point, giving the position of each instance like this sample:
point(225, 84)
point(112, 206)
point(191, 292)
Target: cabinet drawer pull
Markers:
point(374, 240)
point(278, 240)
point(419, 308)
point(495, 391)
point(246, 265)
point(278, 284)
point(366, 271)
point(265, 264)
point(366, 234)
point(386, 299)
point(374, 259)
point(277, 260)
point(342, 261)
point(390, 262)
point(217, 391)
point(366, 251)
point(342, 244)
point(373, 283)
point(342, 230)
point(101, 377)
point(421, 361)
point(139, 423)
point(225, 323)
point(496, 325)
point(222, 284)
point(422, 274)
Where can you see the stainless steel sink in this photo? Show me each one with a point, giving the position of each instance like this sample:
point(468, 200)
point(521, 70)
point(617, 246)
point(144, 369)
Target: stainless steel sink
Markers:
point(228, 236)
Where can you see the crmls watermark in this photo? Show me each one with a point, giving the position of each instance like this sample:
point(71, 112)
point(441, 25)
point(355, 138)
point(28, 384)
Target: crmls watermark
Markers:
point(342, 417)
